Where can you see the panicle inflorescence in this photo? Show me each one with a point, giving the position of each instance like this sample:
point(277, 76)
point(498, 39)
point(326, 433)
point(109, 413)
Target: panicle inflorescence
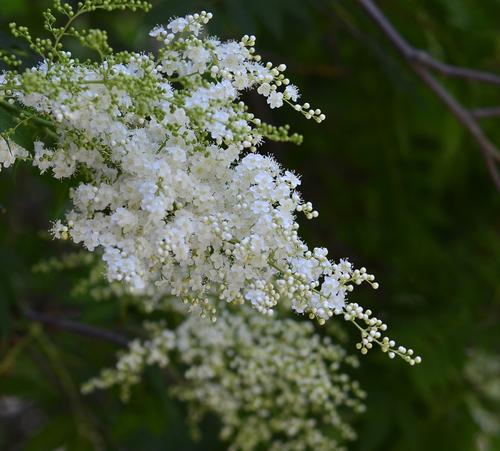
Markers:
point(131, 363)
point(9, 59)
point(372, 330)
point(272, 382)
point(51, 48)
point(174, 195)
point(111, 5)
point(67, 261)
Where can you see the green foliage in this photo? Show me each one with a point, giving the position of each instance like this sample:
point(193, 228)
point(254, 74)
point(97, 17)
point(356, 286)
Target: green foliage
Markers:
point(398, 183)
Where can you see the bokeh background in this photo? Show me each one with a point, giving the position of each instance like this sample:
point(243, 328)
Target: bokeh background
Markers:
point(401, 189)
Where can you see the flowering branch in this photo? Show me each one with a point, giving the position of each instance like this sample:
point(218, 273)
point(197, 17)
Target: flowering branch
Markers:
point(423, 64)
point(188, 218)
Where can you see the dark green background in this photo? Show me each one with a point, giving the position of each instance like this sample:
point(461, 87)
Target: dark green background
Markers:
point(401, 189)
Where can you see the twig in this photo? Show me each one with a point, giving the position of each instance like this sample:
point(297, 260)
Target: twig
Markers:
point(36, 119)
point(91, 331)
point(422, 62)
point(83, 422)
point(454, 71)
point(481, 113)
point(79, 328)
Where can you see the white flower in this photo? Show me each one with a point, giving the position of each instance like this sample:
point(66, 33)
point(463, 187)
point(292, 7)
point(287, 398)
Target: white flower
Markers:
point(264, 89)
point(292, 93)
point(157, 31)
point(124, 218)
point(199, 55)
point(177, 25)
point(275, 99)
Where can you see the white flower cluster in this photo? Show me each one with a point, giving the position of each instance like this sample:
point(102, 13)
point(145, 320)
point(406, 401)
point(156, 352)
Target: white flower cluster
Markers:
point(272, 382)
point(174, 195)
point(131, 364)
point(482, 372)
point(173, 200)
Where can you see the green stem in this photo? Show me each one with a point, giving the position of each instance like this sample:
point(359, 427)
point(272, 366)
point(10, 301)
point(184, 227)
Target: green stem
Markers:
point(10, 358)
point(66, 27)
point(82, 421)
point(36, 119)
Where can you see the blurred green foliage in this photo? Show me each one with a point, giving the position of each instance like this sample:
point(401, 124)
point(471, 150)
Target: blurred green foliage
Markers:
point(401, 189)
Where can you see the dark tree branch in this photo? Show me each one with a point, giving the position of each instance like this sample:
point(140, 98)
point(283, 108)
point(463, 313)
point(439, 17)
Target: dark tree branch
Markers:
point(481, 113)
point(91, 331)
point(76, 327)
point(454, 71)
point(421, 62)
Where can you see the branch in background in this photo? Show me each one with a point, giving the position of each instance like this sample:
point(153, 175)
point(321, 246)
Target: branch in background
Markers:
point(93, 332)
point(423, 63)
point(486, 112)
point(79, 328)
